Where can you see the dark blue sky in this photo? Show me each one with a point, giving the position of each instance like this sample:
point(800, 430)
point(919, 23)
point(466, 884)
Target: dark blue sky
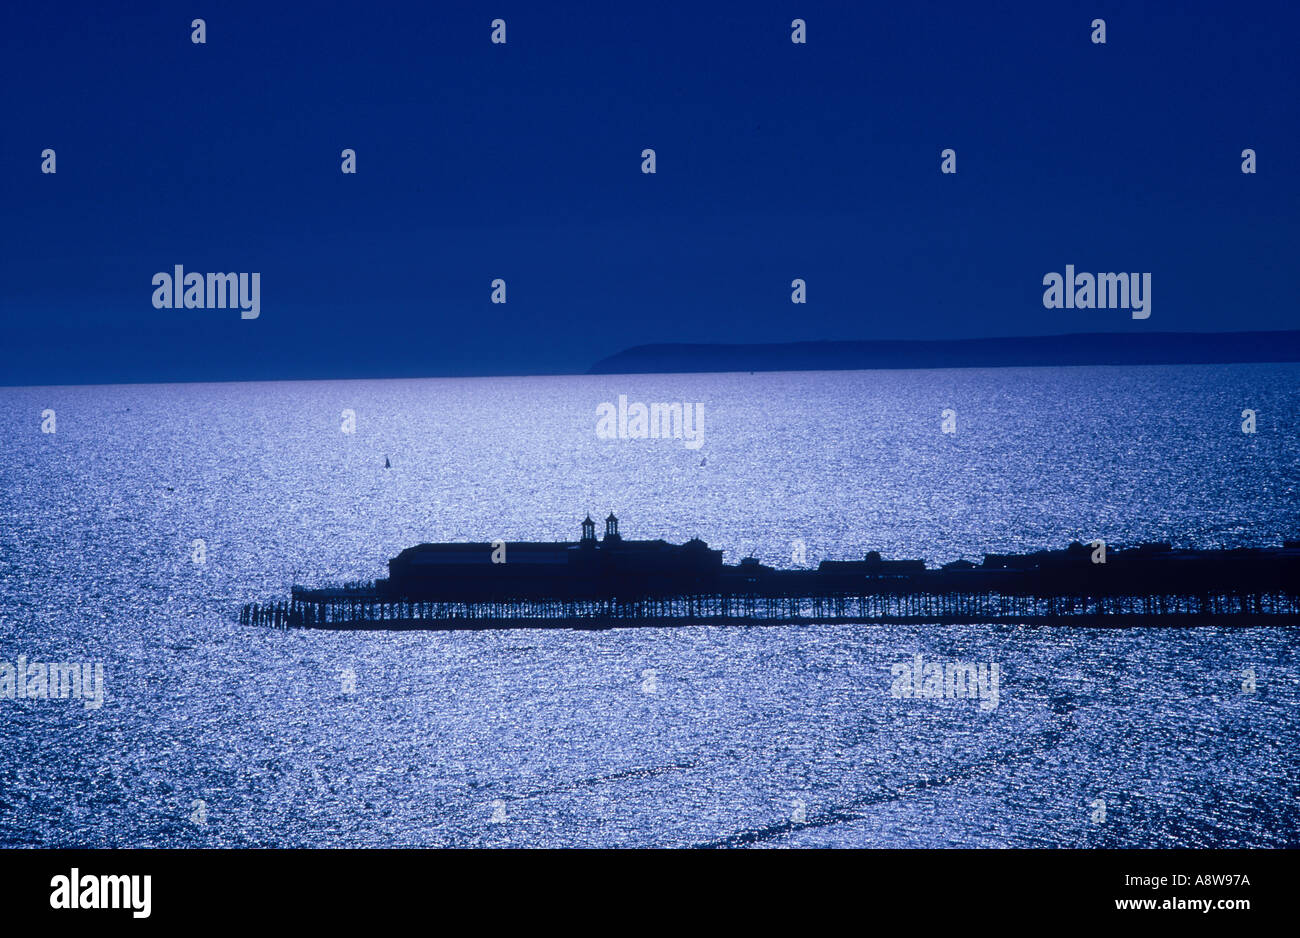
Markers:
point(522, 161)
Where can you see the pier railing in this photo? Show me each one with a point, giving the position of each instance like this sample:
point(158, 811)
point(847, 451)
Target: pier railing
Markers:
point(369, 609)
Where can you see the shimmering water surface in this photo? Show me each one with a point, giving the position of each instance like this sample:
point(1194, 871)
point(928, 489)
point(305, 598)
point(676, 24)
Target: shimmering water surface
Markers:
point(220, 735)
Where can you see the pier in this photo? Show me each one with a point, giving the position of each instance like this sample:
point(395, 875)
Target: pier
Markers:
point(624, 584)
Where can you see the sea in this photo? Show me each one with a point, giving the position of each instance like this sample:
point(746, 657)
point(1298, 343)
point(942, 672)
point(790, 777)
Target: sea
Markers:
point(136, 519)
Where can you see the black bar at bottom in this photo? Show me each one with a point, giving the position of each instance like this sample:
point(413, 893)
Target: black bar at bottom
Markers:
point(950, 889)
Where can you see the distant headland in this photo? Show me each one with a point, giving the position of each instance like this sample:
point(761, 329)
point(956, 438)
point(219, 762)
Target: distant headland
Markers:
point(1091, 348)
